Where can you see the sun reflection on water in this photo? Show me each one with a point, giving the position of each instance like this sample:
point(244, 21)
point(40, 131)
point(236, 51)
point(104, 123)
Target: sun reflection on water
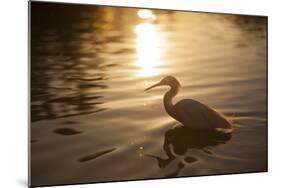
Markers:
point(149, 45)
point(146, 14)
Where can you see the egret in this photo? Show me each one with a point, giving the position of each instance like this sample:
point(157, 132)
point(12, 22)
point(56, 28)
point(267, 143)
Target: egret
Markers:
point(191, 113)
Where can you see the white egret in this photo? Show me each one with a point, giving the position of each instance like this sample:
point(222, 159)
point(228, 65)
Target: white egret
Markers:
point(192, 113)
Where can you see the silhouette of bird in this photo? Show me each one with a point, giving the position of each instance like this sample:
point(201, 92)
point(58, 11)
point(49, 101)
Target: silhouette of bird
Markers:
point(192, 113)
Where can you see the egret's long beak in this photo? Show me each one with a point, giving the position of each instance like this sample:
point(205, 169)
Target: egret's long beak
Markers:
point(153, 86)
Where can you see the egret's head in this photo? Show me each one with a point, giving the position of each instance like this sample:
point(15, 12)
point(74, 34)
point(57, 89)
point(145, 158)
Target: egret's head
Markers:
point(167, 81)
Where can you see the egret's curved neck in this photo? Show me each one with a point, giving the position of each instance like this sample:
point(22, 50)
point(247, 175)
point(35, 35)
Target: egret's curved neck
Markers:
point(168, 97)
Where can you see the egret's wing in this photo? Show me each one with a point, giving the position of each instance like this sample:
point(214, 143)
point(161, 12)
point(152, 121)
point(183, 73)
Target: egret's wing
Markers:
point(190, 114)
point(197, 115)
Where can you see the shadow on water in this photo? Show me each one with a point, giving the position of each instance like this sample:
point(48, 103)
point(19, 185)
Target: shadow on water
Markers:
point(67, 131)
point(178, 140)
point(95, 155)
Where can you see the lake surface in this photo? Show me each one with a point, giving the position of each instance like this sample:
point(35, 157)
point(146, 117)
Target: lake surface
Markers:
point(91, 120)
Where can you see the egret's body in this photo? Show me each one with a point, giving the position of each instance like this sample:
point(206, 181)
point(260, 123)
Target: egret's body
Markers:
point(192, 113)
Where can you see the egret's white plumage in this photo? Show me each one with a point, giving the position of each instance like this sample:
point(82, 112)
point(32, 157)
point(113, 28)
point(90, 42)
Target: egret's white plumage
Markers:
point(192, 113)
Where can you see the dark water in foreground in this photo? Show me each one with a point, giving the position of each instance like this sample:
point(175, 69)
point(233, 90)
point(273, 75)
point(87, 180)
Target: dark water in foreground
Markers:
point(91, 119)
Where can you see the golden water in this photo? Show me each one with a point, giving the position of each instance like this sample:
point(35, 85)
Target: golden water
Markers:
point(91, 119)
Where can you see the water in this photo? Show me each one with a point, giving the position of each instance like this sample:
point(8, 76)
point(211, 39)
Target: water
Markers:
point(91, 119)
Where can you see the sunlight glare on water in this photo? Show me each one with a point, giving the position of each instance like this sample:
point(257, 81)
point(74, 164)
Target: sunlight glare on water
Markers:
point(146, 14)
point(150, 49)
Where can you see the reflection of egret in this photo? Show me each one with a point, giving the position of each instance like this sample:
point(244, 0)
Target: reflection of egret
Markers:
point(191, 113)
point(149, 46)
point(180, 139)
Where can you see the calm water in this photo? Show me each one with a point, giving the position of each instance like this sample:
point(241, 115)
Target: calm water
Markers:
point(91, 119)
